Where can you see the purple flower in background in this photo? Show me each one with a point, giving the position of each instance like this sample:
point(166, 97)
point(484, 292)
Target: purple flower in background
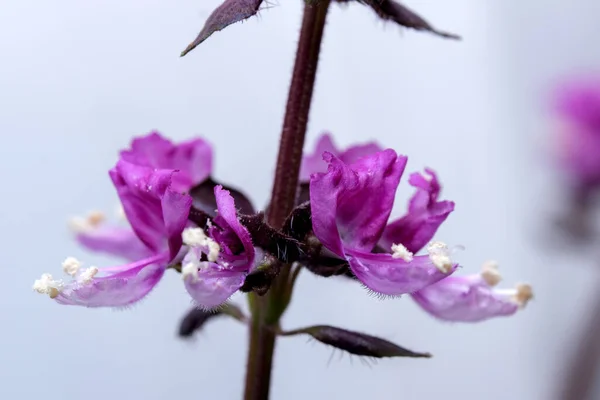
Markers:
point(578, 147)
point(351, 204)
point(191, 159)
point(312, 163)
point(218, 261)
point(158, 216)
point(472, 298)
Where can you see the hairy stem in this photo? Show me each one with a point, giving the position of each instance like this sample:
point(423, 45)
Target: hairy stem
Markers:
point(283, 196)
point(267, 310)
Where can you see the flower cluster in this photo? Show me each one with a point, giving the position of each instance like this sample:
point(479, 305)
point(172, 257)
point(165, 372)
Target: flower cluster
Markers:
point(180, 218)
point(577, 104)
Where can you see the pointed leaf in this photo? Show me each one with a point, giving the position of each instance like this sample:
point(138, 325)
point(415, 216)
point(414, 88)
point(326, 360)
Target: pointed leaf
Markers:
point(194, 320)
point(394, 11)
point(356, 343)
point(230, 12)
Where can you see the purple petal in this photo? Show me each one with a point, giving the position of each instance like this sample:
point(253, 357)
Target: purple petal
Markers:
point(351, 203)
point(129, 285)
point(356, 152)
point(393, 276)
point(425, 215)
point(113, 240)
point(175, 209)
point(313, 163)
point(464, 299)
point(192, 159)
point(228, 217)
point(231, 11)
point(156, 213)
point(214, 285)
point(390, 10)
point(579, 101)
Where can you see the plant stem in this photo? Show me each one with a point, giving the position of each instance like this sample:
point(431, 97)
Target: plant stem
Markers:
point(267, 310)
point(283, 196)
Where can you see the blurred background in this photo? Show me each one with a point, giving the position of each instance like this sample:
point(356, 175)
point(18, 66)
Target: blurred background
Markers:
point(79, 79)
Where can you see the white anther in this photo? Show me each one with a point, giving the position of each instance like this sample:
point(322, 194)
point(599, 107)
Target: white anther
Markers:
point(213, 250)
point(439, 254)
point(400, 251)
point(194, 237)
point(523, 295)
point(191, 270)
point(95, 218)
point(79, 224)
point(91, 221)
point(87, 276)
point(71, 266)
point(490, 274)
point(47, 285)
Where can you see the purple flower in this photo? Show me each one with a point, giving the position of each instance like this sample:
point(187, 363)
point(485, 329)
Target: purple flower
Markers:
point(578, 146)
point(351, 204)
point(425, 211)
point(218, 261)
point(157, 214)
point(191, 159)
point(312, 163)
point(425, 215)
point(472, 298)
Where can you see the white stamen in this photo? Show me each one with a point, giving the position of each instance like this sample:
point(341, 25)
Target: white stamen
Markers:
point(190, 269)
point(524, 294)
point(71, 266)
point(80, 224)
point(213, 250)
point(400, 251)
point(520, 294)
point(490, 274)
point(47, 285)
point(194, 237)
point(87, 276)
point(95, 218)
point(439, 254)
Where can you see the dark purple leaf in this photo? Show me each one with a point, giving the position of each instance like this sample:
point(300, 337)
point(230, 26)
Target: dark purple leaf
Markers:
point(396, 12)
point(194, 320)
point(303, 193)
point(230, 12)
point(203, 196)
point(356, 343)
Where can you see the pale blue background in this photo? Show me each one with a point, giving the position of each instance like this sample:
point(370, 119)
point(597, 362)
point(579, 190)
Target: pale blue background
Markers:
point(78, 79)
